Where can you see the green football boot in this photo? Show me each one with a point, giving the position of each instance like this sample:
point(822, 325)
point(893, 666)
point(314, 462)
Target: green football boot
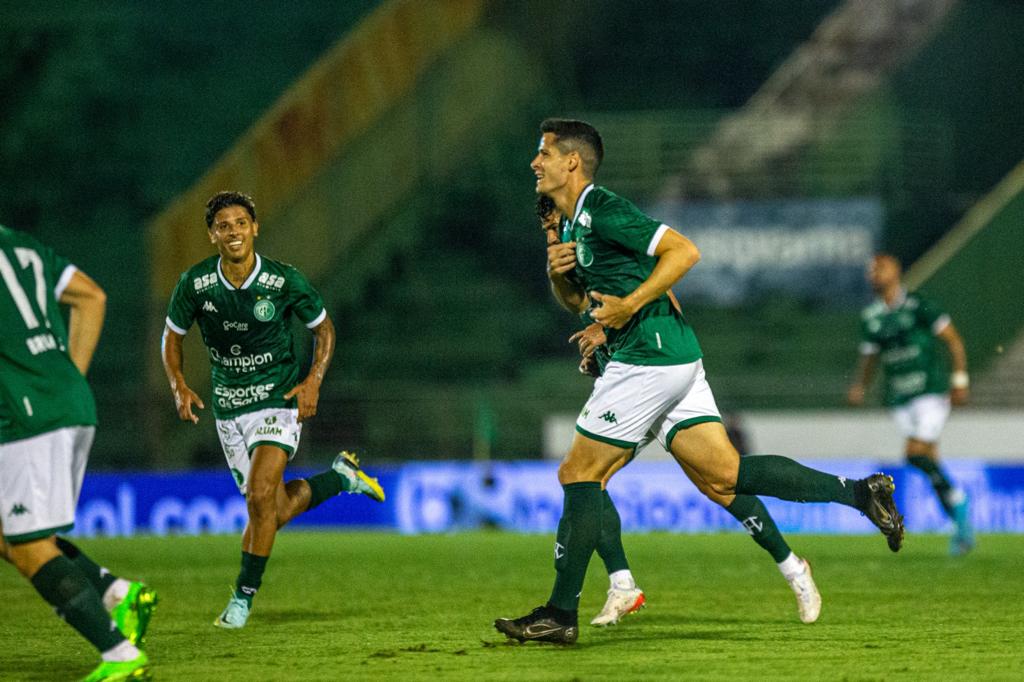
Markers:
point(346, 465)
point(132, 613)
point(110, 671)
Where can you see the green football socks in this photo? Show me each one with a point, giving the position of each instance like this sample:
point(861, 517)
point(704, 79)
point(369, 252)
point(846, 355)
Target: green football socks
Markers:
point(786, 479)
point(251, 576)
point(609, 544)
point(751, 512)
point(939, 480)
point(100, 578)
point(63, 585)
point(324, 486)
point(578, 535)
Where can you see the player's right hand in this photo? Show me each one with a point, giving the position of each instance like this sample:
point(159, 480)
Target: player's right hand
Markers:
point(561, 258)
point(184, 398)
point(855, 395)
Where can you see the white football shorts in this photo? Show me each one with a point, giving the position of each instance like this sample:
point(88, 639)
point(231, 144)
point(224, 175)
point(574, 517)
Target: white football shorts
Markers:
point(40, 479)
point(923, 417)
point(240, 435)
point(631, 402)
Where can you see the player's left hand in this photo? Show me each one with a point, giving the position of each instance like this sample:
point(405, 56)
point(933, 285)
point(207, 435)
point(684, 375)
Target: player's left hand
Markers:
point(307, 394)
point(612, 311)
point(959, 396)
point(589, 339)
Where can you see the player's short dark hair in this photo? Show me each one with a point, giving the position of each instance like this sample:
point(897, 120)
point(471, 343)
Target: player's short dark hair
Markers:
point(224, 199)
point(577, 136)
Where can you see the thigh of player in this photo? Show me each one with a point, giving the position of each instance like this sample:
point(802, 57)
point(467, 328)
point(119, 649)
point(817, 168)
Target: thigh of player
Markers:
point(40, 479)
point(241, 435)
point(693, 432)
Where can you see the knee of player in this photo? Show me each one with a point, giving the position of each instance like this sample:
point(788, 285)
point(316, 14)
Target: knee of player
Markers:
point(262, 500)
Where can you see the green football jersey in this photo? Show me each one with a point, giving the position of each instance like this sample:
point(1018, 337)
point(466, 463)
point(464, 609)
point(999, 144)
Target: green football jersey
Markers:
point(247, 331)
point(40, 388)
point(615, 244)
point(904, 338)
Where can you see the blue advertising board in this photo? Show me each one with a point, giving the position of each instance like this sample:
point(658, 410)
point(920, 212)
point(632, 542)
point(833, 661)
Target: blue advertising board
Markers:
point(812, 249)
point(525, 497)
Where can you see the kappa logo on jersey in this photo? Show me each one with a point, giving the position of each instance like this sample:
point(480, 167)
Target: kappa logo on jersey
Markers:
point(209, 307)
point(18, 509)
point(609, 417)
point(264, 310)
point(205, 281)
point(270, 281)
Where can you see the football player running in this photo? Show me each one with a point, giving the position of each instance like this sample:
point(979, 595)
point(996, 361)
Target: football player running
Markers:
point(243, 304)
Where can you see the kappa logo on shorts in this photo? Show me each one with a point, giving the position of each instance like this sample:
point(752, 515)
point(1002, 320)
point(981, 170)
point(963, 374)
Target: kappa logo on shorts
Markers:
point(269, 420)
point(609, 417)
point(18, 509)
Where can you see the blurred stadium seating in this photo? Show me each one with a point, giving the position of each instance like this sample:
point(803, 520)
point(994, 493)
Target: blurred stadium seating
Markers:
point(387, 151)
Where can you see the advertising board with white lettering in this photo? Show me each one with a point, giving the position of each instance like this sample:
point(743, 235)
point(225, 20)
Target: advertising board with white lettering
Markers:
point(814, 250)
point(440, 497)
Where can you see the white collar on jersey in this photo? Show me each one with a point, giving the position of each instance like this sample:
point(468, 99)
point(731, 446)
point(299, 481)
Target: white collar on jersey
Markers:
point(579, 202)
point(249, 279)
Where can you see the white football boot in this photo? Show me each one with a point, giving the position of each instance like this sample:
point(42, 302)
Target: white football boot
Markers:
point(621, 602)
point(808, 600)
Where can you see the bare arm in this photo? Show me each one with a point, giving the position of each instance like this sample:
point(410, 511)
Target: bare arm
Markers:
point(676, 256)
point(865, 372)
point(88, 304)
point(173, 358)
point(959, 391)
point(307, 392)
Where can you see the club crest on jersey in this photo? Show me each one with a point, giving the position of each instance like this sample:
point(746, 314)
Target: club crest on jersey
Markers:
point(584, 256)
point(264, 310)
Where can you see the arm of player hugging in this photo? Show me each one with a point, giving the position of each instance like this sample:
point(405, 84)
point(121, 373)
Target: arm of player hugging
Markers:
point(676, 256)
point(88, 304)
point(173, 359)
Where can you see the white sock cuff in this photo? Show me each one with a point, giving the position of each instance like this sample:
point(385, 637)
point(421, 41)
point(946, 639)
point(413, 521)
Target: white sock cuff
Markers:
point(622, 580)
point(791, 566)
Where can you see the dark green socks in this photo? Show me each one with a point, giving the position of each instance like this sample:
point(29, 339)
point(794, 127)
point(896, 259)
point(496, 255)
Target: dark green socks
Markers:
point(751, 512)
point(63, 585)
point(579, 531)
point(250, 577)
point(609, 544)
point(100, 578)
point(938, 478)
point(785, 479)
point(323, 486)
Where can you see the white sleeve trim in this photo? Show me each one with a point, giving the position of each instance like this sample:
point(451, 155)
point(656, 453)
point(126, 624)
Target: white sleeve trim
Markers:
point(940, 324)
point(868, 348)
point(657, 238)
point(319, 318)
point(64, 281)
point(175, 328)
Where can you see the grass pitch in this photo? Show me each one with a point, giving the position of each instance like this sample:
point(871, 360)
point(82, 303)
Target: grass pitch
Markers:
point(380, 606)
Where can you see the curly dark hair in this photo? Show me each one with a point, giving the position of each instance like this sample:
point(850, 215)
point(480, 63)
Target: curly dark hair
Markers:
point(224, 199)
point(545, 206)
